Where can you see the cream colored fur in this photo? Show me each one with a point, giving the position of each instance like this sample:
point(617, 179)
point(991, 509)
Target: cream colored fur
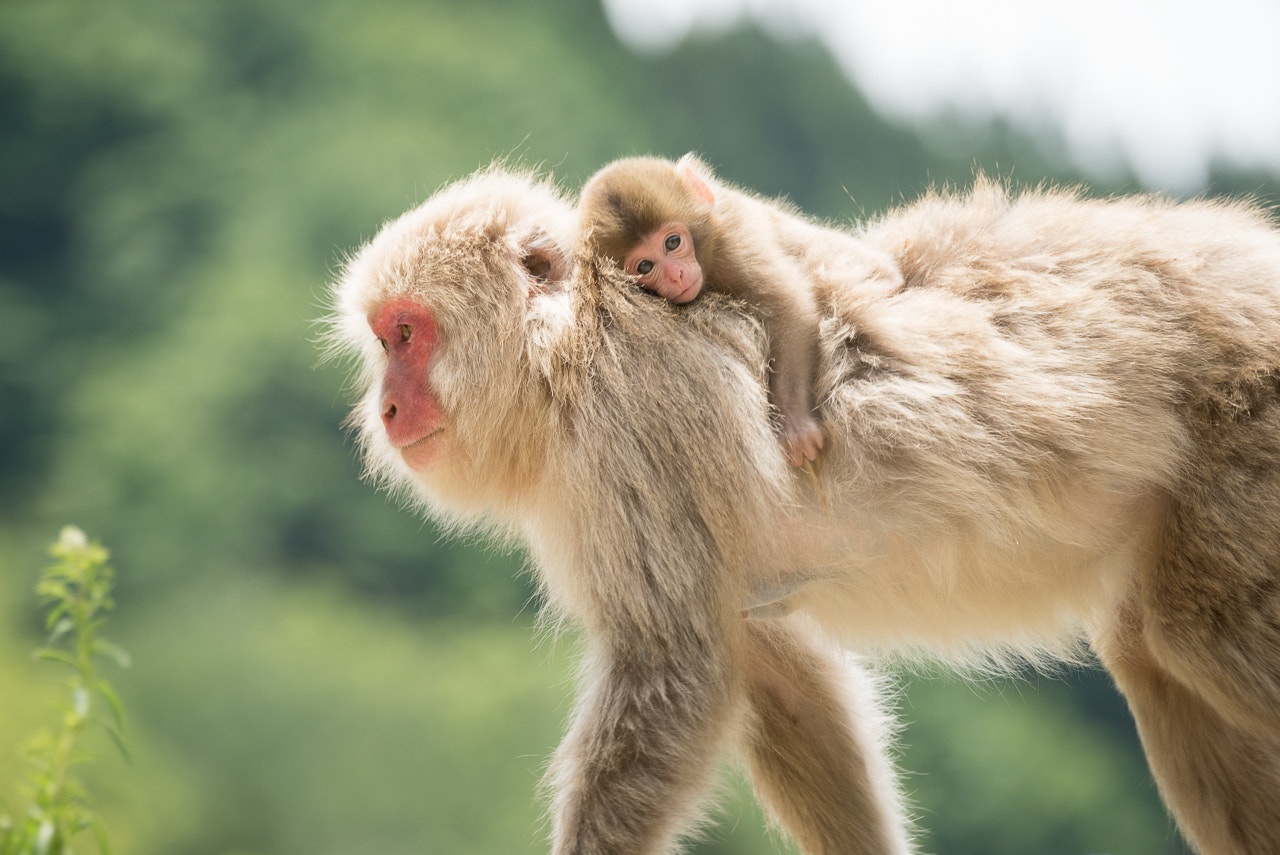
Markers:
point(1061, 426)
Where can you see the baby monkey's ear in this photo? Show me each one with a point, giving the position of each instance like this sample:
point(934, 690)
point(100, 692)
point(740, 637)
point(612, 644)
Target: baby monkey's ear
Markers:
point(692, 171)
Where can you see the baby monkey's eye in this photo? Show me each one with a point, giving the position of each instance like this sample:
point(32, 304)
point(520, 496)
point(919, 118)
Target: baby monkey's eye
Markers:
point(644, 267)
point(673, 242)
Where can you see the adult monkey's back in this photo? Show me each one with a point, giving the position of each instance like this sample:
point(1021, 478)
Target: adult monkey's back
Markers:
point(1062, 425)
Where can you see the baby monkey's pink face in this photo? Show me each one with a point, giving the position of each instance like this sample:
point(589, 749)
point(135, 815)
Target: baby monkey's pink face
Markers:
point(666, 264)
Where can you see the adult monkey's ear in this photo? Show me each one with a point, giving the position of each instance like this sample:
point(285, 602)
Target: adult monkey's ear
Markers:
point(693, 172)
point(544, 261)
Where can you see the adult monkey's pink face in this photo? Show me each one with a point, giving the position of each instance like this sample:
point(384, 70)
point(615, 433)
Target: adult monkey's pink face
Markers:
point(410, 412)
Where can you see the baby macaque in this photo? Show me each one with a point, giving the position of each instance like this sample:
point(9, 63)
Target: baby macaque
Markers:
point(664, 223)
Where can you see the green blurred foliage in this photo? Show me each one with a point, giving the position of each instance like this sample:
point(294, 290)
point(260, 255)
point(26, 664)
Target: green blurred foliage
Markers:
point(315, 670)
point(1037, 765)
point(76, 591)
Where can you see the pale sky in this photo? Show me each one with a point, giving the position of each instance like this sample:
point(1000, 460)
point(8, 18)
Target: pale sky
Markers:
point(1165, 84)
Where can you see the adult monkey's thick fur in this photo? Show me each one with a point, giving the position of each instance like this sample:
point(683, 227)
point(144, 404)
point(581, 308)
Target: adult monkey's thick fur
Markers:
point(1064, 425)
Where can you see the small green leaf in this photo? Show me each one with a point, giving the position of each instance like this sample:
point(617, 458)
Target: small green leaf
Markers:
point(44, 838)
point(113, 703)
point(114, 652)
point(50, 655)
point(100, 837)
point(59, 624)
point(53, 589)
point(80, 701)
point(118, 738)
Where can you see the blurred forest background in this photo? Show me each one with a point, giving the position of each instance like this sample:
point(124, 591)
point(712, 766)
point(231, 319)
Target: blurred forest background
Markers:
point(315, 671)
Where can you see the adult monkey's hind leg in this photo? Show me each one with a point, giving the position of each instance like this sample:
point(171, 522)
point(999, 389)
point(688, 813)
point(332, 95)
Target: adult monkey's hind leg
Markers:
point(1221, 783)
point(1197, 648)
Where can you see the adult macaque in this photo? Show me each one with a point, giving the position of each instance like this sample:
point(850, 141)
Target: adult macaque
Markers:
point(666, 224)
point(1065, 424)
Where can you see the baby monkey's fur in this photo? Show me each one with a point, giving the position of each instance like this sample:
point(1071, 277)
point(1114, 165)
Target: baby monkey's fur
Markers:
point(760, 251)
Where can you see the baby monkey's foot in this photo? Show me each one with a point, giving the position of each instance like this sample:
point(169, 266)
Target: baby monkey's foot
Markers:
point(801, 439)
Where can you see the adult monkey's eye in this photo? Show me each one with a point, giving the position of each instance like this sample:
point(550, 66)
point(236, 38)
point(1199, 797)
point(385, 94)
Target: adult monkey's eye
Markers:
point(644, 267)
point(673, 242)
point(383, 342)
point(406, 332)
